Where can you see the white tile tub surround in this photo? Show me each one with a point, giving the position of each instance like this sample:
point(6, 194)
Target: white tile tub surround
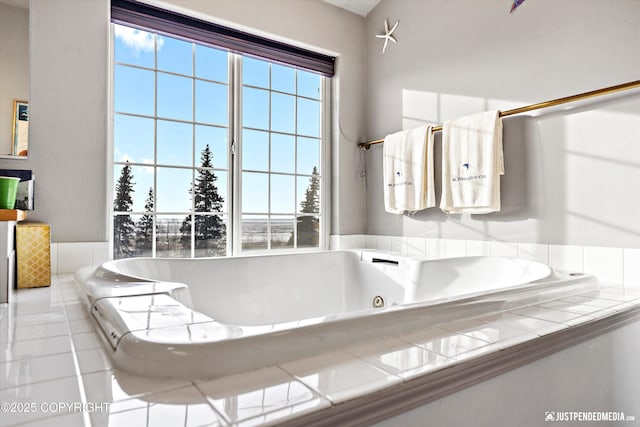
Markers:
point(371, 241)
point(73, 256)
point(357, 241)
point(261, 396)
point(451, 344)
point(384, 243)
point(396, 245)
point(534, 252)
point(632, 267)
point(481, 328)
point(606, 263)
point(508, 249)
point(478, 248)
point(566, 257)
point(336, 242)
point(413, 247)
point(47, 327)
point(347, 241)
point(612, 265)
point(54, 258)
point(455, 248)
point(435, 248)
point(399, 357)
point(70, 257)
point(340, 376)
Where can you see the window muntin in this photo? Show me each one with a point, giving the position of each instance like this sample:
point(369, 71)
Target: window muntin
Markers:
point(172, 108)
point(171, 132)
point(281, 152)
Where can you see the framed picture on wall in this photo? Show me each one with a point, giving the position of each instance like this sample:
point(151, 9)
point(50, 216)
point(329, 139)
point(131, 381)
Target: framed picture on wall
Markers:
point(20, 128)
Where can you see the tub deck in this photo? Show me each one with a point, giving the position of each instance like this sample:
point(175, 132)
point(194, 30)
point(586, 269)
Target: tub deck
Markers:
point(357, 381)
point(358, 384)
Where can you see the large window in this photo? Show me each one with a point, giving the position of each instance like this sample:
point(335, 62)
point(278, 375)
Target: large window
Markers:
point(214, 153)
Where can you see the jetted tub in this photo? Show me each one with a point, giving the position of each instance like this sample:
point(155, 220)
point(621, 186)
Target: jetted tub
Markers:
point(205, 318)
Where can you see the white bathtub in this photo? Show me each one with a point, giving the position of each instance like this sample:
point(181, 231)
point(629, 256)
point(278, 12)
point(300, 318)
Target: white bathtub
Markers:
point(206, 318)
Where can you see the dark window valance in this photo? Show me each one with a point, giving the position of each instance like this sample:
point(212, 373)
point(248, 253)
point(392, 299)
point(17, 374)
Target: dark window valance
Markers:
point(148, 17)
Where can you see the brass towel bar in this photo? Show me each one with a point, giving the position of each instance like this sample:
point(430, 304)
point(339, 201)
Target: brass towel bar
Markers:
point(546, 104)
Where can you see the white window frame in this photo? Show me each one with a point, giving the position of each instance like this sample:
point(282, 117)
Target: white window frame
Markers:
point(234, 163)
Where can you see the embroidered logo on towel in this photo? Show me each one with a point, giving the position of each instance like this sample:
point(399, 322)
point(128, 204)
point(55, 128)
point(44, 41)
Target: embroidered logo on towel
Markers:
point(399, 184)
point(464, 172)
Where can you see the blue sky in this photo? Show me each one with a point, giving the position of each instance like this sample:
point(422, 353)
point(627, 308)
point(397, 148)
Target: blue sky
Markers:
point(134, 136)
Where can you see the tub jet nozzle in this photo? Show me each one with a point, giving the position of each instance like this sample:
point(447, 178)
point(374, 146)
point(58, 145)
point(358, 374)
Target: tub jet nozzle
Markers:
point(378, 302)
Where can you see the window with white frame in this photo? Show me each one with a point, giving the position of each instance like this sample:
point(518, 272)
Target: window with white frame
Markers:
point(214, 153)
point(281, 152)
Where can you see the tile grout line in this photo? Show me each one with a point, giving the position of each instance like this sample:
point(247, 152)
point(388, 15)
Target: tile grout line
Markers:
point(406, 341)
point(86, 418)
point(564, 323)
point(397, 374)
point(315, 392)
point(194, 384)
point(623, 270)
point(83, 396)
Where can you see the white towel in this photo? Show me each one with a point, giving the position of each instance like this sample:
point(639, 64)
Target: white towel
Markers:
point(472, 162)
point(408, 171)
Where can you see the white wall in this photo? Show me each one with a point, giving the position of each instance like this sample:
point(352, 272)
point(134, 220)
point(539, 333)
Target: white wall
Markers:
point(70, 111)
point(14, 72)
point(570, 171)
point(68, 116)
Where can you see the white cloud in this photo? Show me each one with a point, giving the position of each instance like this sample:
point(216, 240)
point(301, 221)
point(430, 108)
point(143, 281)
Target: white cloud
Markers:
point(139, 41)
point(147, 170)
point(122, 157)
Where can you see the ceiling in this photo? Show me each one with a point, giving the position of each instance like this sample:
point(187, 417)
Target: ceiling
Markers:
point(361, 7)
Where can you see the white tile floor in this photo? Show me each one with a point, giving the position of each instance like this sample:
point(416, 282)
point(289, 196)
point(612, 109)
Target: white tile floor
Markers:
point(55, 371)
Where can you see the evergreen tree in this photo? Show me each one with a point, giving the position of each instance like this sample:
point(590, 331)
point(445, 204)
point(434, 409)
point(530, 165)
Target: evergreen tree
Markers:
point(308, 226)
point(123, 225)
point(144, 231)
point(210, 231)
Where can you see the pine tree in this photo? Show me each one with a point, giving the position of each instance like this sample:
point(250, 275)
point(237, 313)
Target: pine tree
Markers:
point(308, 226)
point(123, 225)
point(144, 227)
point(210, 231)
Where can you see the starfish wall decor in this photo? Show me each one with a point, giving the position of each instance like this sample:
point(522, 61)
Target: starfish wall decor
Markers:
point(388, 34)
point(515, 5)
